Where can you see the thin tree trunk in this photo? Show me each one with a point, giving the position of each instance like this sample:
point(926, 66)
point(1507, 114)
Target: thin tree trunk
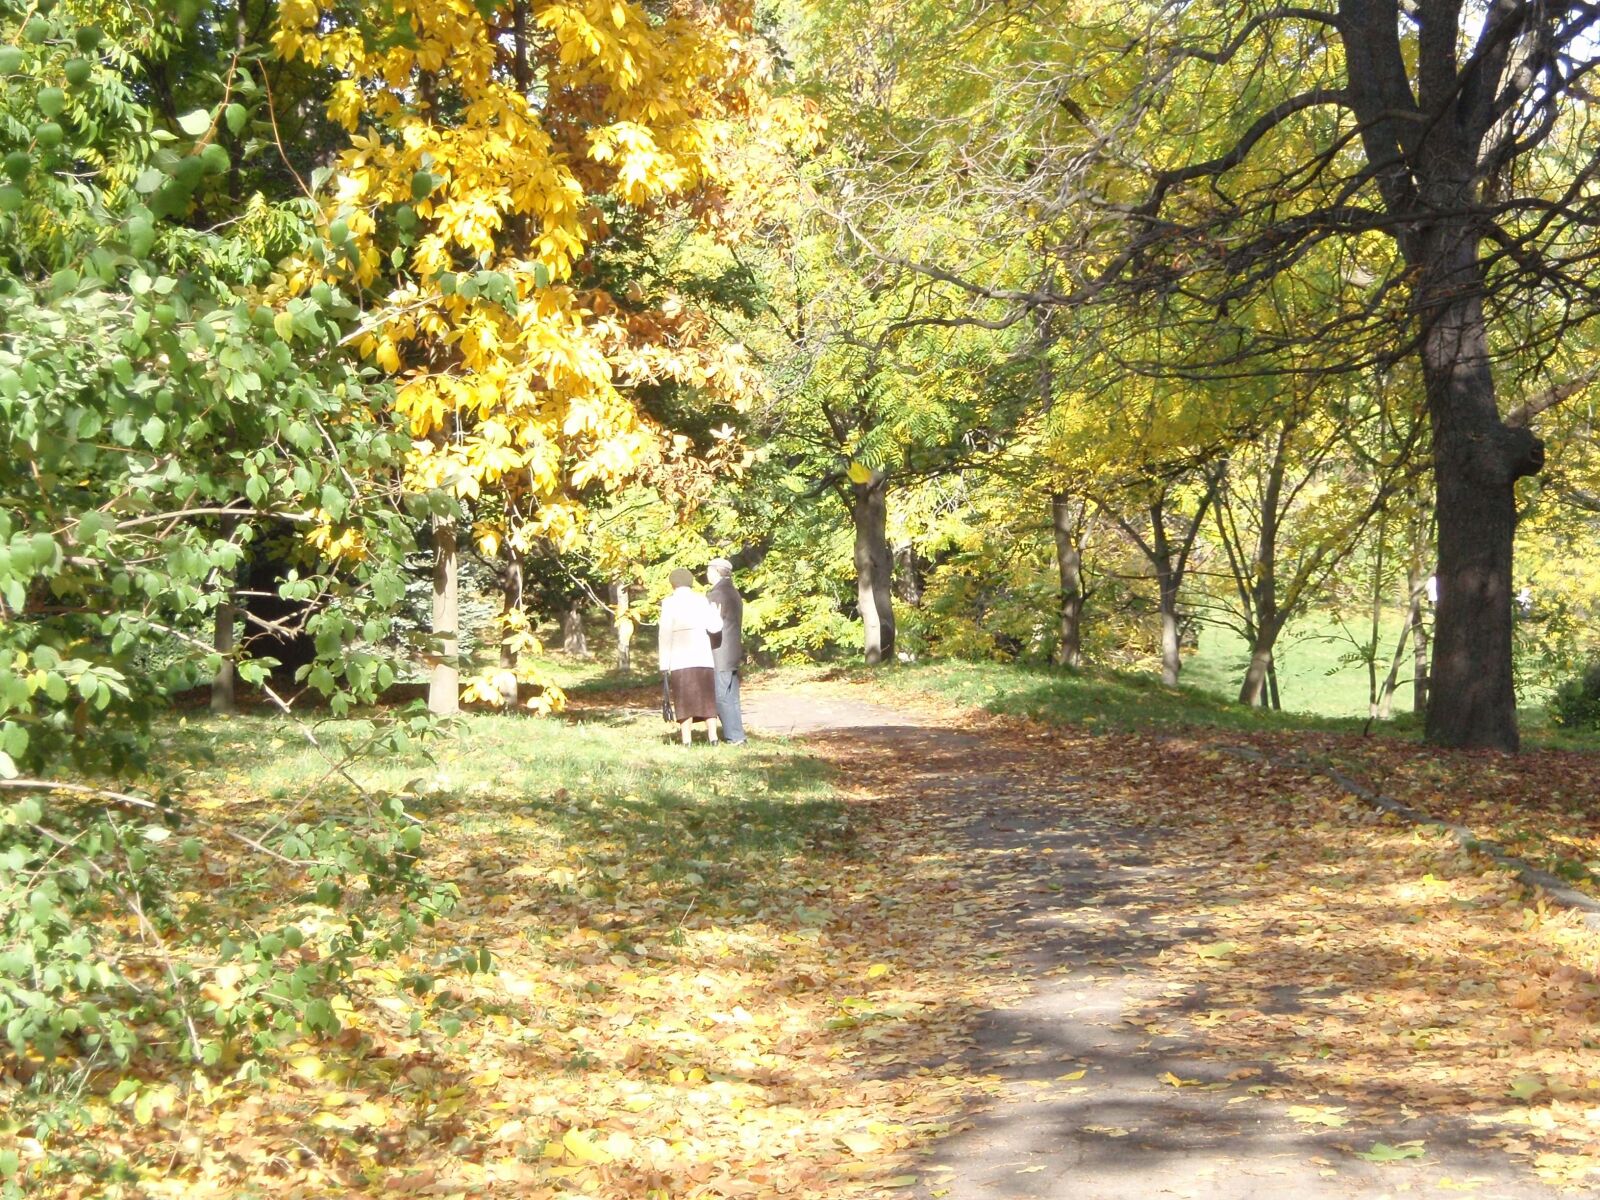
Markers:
point(511, 602)
point(222, 683)
point(1383, 709)
point(1170, 563)
point(444, 683)
point(624, 626)
point(224, 635)
point(573, 639)
point(869, 510)
point(1171, 658)
point(1069, 563)
point(1255, 689)
point(1263, 589)
point(1419, 642)
point(908, 571)
point(1272, 685)
point(1374, 696)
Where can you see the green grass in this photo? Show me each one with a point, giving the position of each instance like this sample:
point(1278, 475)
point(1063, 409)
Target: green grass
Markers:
point(1311, 677)
point(604, 778)
point(1125, 702)
point(1107, 700)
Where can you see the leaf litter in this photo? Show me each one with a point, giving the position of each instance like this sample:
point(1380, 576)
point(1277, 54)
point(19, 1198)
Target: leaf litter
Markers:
point(804, 1029)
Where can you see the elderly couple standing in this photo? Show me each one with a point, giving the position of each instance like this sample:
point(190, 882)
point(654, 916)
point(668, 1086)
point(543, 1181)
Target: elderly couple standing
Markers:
point(701, 648)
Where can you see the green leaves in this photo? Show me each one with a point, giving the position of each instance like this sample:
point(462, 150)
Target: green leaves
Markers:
point(195, 123)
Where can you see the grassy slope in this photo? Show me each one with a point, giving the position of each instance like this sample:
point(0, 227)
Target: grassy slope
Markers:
point(665, 802)
point(1126, 701)
point(1110, 700)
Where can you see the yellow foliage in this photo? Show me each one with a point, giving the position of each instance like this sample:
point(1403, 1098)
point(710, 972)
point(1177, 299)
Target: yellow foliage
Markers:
point(469, 206)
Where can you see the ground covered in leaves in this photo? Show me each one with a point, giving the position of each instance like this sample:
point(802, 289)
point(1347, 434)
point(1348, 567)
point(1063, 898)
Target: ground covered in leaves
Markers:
point(781, 972)
point(709, 976)
point(1386, 989)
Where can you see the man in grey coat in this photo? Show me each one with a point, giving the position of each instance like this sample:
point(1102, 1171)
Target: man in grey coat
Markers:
point(729, 653)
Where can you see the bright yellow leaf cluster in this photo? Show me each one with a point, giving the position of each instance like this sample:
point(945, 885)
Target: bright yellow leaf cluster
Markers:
point(493, 146)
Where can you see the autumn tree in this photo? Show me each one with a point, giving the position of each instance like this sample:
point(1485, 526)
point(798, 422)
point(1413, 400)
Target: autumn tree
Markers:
point(1200, 168)
point(495, 151)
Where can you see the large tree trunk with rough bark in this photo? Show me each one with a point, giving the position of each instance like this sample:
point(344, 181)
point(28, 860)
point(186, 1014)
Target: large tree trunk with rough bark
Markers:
point(1477, 462)
point(869, 510)
point(444, 681)
point(1065, 521)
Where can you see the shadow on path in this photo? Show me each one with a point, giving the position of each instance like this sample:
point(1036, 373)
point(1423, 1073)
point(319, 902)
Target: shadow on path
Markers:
point(1094, 1106)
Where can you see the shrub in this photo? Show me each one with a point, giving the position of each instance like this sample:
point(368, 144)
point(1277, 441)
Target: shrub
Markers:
point(1576, 703)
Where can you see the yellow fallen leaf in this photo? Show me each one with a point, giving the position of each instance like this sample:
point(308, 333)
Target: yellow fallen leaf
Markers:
point(1172, 1080)
point(1308, 1114)
point(877, 970)
point(582, 1147)
point(1071, 1075)
point(308, 1067)
point(861, 1143)
point(899, 1181)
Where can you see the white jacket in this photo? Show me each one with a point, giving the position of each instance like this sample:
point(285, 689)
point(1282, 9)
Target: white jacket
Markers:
point(688, 620)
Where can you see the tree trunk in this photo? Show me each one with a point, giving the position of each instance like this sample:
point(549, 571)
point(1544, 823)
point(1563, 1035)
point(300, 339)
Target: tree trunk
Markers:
point(1376, 701)
point(908, 572)
point(869, 510)
point(1069, 563)
point(1383, 709)
point(1419, 643)
point(1477, 461)
point(1259, 685)
point(511, 602)
point(444, 683)
point(573, 639)
point(624, 626)
point(1171, 660)
point(1169, 581)
point(1258, 675)
point(222, 697)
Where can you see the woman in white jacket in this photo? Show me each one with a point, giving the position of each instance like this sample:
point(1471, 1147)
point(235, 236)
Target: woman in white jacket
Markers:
point(688, 620)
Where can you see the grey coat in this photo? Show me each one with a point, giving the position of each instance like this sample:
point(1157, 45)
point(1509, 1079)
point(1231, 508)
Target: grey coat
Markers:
point(730, 653)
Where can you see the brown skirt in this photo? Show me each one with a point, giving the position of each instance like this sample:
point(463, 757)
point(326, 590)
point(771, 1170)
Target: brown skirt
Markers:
point(694, 694)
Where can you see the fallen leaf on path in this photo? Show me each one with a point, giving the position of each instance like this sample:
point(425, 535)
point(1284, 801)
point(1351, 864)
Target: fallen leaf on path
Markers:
point(1308, 1114)
point(1382, 1152)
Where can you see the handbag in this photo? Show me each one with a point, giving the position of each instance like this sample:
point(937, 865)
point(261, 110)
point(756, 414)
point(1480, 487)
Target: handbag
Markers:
point(666, 697)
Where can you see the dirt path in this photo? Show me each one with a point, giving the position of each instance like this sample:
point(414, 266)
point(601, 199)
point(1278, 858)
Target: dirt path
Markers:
point(1098, 1100)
